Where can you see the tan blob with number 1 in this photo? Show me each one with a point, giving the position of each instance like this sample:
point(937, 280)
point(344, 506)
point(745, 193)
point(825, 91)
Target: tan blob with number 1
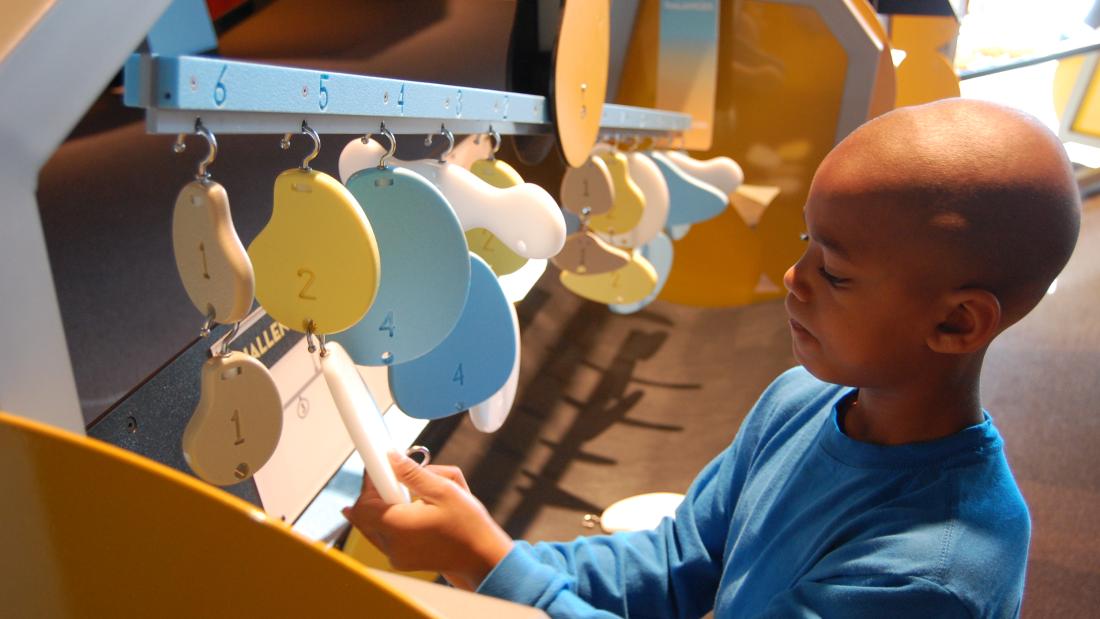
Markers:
point(212, 262)
point(237, 423)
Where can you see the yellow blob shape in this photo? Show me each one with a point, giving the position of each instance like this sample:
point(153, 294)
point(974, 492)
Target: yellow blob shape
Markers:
point(630, 284)
point(317, 258)
point(482, 242)
point(626, 210)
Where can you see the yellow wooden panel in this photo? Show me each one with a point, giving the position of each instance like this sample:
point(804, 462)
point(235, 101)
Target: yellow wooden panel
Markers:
point(1087, 120)
point(886, 85)
point(638, 79)
point(1064, 79)
point(97, 531)
point(925, 74)
point(781, 77)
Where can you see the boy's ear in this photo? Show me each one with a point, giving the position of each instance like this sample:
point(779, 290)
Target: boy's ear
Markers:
point(971, 319)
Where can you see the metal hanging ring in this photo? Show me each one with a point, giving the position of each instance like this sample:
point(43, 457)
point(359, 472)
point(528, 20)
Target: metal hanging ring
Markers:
point(393, 145)
point(422, 450)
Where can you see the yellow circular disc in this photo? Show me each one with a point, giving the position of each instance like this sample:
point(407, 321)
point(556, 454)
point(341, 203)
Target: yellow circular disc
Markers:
point(579, 87)
point(629, 203)
point(317, 258)
point(484, 243)
point(630, 284)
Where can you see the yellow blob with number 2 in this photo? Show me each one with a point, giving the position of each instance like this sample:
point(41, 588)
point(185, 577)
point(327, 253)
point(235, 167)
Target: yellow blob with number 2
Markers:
point(317, 258)
point(484, 243)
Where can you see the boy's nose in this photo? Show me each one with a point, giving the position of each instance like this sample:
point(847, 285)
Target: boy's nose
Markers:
point(793, 285)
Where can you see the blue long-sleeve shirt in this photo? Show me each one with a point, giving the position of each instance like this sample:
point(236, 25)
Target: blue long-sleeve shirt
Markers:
point(797, 519)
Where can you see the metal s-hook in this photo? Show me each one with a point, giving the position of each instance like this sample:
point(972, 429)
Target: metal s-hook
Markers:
point(212, 149)
point(311, 332)
point(494, 141)
point(306, 129)
point(229, 338)
point(392, 148)
point(450, 141)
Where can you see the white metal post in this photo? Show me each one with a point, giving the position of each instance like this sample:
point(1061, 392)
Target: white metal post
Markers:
point(47, 82)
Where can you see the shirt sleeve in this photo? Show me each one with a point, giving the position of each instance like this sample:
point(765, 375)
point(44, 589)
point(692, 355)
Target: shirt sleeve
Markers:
point(891, 596)
point(671, 571)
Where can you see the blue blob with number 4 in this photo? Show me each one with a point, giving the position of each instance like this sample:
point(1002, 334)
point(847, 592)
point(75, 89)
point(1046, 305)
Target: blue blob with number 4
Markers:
point(468, 367)
point(425, 268)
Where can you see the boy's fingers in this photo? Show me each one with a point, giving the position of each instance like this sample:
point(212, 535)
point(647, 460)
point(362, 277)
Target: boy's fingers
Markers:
point(368, 489)
point(420, 481)
point(452, 473)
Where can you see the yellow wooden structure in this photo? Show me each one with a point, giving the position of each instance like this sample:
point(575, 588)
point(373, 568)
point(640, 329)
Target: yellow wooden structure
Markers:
point(794, 76)
point(91, 530)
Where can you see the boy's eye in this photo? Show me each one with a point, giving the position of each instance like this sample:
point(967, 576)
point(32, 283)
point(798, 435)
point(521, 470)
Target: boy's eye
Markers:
point(833, 280)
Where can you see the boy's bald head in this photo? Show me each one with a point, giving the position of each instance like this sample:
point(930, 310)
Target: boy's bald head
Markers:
point(983, 192)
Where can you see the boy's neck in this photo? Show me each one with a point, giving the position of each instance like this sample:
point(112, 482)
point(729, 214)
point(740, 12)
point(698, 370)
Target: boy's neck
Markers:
point(917, 412)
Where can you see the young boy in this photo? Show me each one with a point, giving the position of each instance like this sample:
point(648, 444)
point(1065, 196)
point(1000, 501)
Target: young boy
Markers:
point(930, 230)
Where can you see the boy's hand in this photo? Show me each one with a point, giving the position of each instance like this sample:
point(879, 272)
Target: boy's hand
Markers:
point(445, 529)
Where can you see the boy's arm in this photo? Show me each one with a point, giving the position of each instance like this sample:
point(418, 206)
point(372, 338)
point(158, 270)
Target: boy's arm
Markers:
point(671, 571)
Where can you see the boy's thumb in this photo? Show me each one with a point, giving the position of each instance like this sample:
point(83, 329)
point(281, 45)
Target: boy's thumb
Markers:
point(418, 479)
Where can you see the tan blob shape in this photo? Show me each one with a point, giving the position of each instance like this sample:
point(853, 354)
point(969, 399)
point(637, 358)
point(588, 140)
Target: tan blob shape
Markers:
point(317, 258)
point(212, 263)
point(588, 186)
point(633, 282)
point(586, 253)
point(580, 76)
point(237, 423)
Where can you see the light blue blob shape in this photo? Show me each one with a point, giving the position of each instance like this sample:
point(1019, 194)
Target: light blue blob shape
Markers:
point(572, 222)
point(424, 263)
point(690, 200)
point(471, 364)
point(659, 253)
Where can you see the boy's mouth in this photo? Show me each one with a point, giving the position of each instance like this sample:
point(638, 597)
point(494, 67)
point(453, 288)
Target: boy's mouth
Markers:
point(797, 327)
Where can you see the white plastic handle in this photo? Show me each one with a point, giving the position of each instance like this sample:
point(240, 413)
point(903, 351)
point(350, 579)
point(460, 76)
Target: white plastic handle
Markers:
point(364, 422)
